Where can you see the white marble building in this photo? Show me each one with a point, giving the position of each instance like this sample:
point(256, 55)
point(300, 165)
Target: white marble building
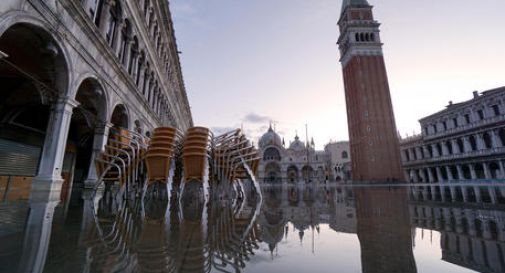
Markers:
point(465, 141)
point(300, 162)
point(71, 70)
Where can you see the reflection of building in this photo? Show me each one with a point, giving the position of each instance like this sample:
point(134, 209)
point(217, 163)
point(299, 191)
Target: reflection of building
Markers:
point(300, 162)
point(384, 230)
point(464, 141)
point(372, 130)
point(74, 70)
point(473, 229)
point(306, 209)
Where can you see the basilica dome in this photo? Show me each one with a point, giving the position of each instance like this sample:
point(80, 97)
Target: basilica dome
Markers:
point(270, 138)
point(297, 145)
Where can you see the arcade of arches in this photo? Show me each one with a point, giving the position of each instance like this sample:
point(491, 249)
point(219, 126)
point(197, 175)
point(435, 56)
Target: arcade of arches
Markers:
point(46, 133)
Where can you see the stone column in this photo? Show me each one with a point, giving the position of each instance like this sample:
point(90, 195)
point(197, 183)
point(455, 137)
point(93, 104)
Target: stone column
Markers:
point(472, 171)
point(411, 154)
point(440, 178)
point(426, 152)
point(453, 193)
point(419, 154)
point(487, 171)
point(455, 147)
point(480, 142)
point(466, 144)
point(445, 149)
point(464, 192)
point(502, 169)
point(495, 140)
point(478, 197)
point(49, 174)
point(461, 175)
point(37, 235)
point(430, 175)
point(435, 150)
point(449, 173)
point(99, 140)
point(492, 194)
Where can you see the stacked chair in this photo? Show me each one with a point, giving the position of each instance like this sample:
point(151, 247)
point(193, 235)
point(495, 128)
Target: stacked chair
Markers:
point(233, 153)
point(121, 160)
point(163, 147)
point(195, 153)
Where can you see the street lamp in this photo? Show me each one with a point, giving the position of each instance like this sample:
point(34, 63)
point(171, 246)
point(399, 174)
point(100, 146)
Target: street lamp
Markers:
point(3, 55)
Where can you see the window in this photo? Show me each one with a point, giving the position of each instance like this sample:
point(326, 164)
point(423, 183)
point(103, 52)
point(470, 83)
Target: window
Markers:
point(435, 128)
point(467, 118)
point(480, 113)
point(496, 110)
point(444, 124)
point(345, 154)
point(455, 122)
point(115, 15)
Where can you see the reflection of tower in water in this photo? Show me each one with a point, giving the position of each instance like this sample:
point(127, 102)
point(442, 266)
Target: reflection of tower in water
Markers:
point(384, 230)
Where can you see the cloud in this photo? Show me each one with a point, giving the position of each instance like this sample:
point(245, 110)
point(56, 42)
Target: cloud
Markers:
point(221, 130)
point(255, 118)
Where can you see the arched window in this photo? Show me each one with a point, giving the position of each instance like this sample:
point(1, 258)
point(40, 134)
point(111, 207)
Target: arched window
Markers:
point(146, 8)
point(146, 80)
point(357, 37)
point(140, 62)
point(372, 37)
point(272, 154)
point(461, 146)
point(345, 154)
point(115, 16)
point(362, 37)
point(125, 37)
point(134, 51)
point(473, 142)
point(94, 9)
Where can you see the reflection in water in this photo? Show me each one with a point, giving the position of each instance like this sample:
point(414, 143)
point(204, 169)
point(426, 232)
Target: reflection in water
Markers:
point(380, 229)
point(384, 230)
point(157, 236)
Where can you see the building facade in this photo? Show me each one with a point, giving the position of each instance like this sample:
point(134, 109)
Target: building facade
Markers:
point(300, 162)
point(372, 129)
point(469, 219)
point(465, 141)
point(72, 70)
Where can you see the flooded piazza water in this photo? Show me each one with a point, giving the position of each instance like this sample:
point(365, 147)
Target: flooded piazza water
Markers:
point(334, 228)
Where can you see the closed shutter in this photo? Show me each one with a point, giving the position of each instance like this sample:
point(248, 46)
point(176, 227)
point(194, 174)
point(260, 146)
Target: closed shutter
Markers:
point(17, 159)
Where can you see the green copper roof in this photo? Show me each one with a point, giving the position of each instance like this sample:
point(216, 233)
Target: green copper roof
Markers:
point(346, 3)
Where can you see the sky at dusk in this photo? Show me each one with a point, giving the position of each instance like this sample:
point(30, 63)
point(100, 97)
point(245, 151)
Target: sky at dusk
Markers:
point(247, 63)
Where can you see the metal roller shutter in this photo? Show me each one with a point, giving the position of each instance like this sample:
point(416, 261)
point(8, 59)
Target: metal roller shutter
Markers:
point(17, 159)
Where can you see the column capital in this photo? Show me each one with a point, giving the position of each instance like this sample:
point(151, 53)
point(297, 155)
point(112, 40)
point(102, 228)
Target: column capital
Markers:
point(66, 103)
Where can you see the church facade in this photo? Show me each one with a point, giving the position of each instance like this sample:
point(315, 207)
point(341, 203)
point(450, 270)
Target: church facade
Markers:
point(299, 162)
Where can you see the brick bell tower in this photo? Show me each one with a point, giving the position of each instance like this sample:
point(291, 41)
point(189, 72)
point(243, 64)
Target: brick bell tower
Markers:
point(373, 136)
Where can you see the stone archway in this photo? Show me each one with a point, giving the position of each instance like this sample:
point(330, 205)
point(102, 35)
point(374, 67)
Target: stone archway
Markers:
point(292, 174)
point(307, 173)
point(32, 102)
point(119, 118)
point(87, 133)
